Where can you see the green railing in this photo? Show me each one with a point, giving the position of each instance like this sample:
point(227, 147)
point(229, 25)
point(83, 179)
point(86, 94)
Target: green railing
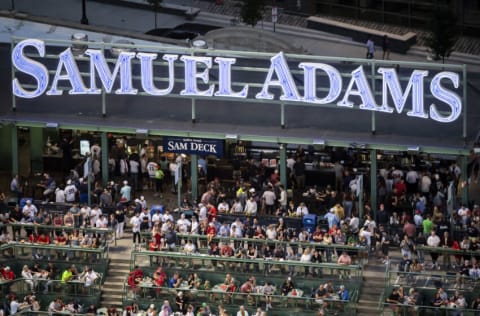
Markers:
point(359, 253)
point(145, 294)
point(74, 290)
point(426, 283)
point(109, 233)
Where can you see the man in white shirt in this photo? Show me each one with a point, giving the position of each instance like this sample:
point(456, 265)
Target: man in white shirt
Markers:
point(434, 241)
point(134, 169)
point(223, 207)
point(85, 214)
point(59, 195)
point(269, 198)
point(29, 210)
point(152, 167)
point(251, 206)
point(411, 178)
point(90, 277)
point(135, 221)
point(95, 213)
point(183, 224)
point(302, 210)
point(101, 222)
point(202, 212)
point(70, 192)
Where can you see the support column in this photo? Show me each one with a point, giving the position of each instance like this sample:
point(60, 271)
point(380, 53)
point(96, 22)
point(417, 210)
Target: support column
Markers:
point(14, 135)
point(105, 149)
point(194, 176)
point(464, 179)
point(179, 183)
point(36, 149)
point(373, 182)
point(283, 165)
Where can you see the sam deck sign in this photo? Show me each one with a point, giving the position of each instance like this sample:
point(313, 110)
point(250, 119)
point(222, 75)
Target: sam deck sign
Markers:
point(199, 146)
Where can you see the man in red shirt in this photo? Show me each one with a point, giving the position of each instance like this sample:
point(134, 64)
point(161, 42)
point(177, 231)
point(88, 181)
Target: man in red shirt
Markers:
point(33, 238)
point(401, 187)
point(212, 212)
point(44, 239)
point(211, 231)
point(8, 273)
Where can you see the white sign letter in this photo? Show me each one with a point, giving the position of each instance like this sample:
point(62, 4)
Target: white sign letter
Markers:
point(310, 82)
point(364, 91)
point(392, 84)
point(279, 65)
point(191, 75)
point(146, 64)
point(30, 67)
point(225, 79)
point(67, 60)
point(449, 97)
point(97, 62)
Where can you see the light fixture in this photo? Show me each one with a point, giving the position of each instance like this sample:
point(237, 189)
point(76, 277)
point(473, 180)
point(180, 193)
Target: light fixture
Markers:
point(318, 141)
point(141, 131)
point(413, 148)
point(51, 125)
point(231, 136)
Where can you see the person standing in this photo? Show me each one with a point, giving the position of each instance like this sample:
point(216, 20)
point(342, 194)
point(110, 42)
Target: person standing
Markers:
point(386, 47)
point(370, 48)
point(135, 221)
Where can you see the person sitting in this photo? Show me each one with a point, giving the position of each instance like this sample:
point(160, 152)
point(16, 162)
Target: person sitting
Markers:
point(344, 260)
point(247, 288)
point(134, 279)
point(321, 294)
point(268, 291)
point(159, 277)
point(181, 302)
point(55, 306)
point(175, 281)
point(30, 280)
point(287, 286)
point(394, 299)
point(89, 277)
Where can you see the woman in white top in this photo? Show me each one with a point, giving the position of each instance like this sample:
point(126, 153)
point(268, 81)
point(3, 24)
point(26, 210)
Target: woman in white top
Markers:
point(29, 279)
point(306, 257)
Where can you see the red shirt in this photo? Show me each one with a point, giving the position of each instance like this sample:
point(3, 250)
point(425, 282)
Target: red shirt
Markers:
point(8, 274)
point(401, 188)
point(43, 239)
point(211, 230)
point(33, 238)
point(61, 239)
point(212, 213)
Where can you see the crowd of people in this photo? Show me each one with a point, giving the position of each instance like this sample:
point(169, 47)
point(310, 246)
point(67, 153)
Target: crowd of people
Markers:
point(415, 207)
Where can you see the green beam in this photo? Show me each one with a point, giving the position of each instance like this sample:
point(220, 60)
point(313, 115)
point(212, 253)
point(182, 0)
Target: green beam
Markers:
point(36, 149)
point(464, 178)
point(454, 151)
point(194, 176)
point(373, 182)
point(105, 149)
point(14, 136)
point(283, 164)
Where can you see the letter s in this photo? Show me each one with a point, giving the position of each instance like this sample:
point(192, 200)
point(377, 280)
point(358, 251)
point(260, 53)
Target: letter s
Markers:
point(450, 98)
point(30, 67)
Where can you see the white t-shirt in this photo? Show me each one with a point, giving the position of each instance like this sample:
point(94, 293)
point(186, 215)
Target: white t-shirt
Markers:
point(135, 222)
point(70, 191)
point(59, 196)
point(134, 166)
point(151, 169)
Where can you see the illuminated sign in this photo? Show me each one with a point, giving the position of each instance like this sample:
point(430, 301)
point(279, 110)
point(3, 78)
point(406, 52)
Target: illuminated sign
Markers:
point(197, 146)
point(278, 76)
